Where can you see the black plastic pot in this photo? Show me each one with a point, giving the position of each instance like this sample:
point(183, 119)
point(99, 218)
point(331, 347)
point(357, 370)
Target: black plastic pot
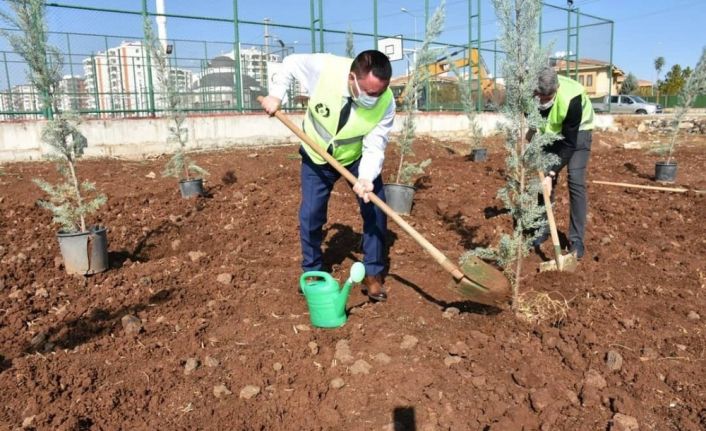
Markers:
point(479, 154)
point(399, 197)
point(665, 172)
point(85, 253)
point(191, 188)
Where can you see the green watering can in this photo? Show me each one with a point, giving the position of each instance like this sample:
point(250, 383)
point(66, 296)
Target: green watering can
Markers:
point(326, 301)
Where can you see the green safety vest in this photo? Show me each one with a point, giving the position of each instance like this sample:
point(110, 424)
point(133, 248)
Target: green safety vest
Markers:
point(568, 89)
point(324, 111)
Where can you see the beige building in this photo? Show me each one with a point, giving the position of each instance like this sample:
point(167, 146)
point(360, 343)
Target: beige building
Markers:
point(593, 75)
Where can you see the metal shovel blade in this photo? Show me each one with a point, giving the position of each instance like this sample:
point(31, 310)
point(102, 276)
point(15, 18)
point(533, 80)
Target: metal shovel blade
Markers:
point(567, 263)
point(481, 285)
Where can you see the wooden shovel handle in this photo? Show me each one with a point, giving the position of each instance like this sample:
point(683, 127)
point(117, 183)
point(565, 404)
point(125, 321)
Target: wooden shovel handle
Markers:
point(440, 258)
point(547, 195)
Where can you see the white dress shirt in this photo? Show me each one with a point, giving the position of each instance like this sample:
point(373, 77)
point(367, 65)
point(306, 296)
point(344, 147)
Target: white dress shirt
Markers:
point(306, 68)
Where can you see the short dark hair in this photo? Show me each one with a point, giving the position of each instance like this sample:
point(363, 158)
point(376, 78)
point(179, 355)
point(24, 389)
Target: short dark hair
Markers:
point(372, 61)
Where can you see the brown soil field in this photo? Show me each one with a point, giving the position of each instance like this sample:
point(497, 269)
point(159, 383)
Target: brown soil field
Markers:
point(631, 350)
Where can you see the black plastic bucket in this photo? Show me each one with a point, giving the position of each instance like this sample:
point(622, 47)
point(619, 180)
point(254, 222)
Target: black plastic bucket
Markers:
point(191, 188)
point(665, 172)
point(85, 253)
point(399, 197)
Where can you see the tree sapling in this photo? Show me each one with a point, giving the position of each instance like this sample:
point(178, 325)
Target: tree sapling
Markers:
point(180, 165)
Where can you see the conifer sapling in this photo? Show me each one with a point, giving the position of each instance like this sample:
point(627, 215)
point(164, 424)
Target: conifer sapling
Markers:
point(405, 170)
point(67, 200)
point(180, 165)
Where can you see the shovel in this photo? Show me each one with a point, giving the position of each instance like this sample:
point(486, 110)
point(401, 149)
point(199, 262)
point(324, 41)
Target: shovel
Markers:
point(562, 263)
point(479, 281)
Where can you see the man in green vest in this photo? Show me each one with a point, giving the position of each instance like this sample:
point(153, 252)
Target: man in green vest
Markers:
point(350, 115)
point(565, 105)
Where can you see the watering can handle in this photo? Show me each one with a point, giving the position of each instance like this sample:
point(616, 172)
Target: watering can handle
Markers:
point(318, 274)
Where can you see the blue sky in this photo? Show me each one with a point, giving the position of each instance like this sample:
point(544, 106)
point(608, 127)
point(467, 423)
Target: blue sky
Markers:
point(644, 29)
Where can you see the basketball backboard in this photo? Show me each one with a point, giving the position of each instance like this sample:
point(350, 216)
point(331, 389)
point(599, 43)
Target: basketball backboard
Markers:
point(392, 47)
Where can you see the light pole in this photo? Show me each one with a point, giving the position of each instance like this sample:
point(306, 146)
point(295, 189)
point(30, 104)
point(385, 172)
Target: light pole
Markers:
point(405, 10)
point(414, 51)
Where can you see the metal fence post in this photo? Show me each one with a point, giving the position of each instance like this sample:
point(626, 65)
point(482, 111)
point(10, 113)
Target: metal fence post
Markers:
point(238, 87)
point(150, 82)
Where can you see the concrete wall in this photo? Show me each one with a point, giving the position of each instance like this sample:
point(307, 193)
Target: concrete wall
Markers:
point(138, 138)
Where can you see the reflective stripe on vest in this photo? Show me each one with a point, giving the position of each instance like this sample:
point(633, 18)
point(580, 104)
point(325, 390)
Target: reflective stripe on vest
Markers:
point(568, 89)
point(324, 111)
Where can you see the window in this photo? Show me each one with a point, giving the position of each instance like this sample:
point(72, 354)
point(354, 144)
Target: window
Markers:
point(581, 79)
point(589, 80)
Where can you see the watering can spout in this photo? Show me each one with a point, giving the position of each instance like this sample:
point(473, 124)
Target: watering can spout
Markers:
point(357, 275)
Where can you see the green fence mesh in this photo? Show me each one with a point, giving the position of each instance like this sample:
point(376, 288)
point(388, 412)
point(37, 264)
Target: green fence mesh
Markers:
point(223, 52)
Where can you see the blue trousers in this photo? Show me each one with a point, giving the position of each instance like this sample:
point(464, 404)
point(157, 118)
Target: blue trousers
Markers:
point(317, 182)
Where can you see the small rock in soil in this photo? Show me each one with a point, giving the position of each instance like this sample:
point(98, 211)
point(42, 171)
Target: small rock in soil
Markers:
point(360, 367)
point(451, 312)
point(220, 391)
point(58, 262)
point(594, 379)
point(249, 391)
point(621, 422)
point(176, 244)
point(131, 324)
point(313, 347)
point(459, 349)
point(302, 328)
point(693, 315)
point(151, 175)
point(337, 383)
point(408, 342)
point(343, 352)
point(614, 360)
point(382, 358)
point(28, 422)
point(277, 366)
point(191, 365)
point(451, 360)
point(211, 362)
point(605, 240)
point(195, 256)
point(224, 278)
point(540, 399)
point(42, 293)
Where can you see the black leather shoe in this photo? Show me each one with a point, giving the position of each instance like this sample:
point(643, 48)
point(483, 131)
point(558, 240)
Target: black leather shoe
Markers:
point(372, 286)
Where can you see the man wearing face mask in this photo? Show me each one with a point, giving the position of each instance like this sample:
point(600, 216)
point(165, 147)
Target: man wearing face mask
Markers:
point(565, 105)
point(350, 115)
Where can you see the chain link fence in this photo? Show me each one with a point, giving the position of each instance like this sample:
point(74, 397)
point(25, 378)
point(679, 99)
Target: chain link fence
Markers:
point(223, 62)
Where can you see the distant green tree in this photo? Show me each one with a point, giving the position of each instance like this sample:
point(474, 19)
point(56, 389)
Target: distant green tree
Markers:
point(674, 80)
point(630, 84)
point(659, 64)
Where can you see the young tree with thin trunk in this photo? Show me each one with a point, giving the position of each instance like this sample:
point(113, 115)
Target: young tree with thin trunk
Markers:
point(424, 56)
point(180, 165)
point(694, 86)
point(524, 58)
point(66, 200)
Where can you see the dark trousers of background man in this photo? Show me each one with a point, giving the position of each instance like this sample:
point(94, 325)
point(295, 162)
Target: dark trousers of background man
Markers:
point(317, 181)
point(576, 161)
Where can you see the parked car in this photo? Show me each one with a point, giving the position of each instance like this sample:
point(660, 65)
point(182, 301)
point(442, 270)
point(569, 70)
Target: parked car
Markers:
point(625, 104)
